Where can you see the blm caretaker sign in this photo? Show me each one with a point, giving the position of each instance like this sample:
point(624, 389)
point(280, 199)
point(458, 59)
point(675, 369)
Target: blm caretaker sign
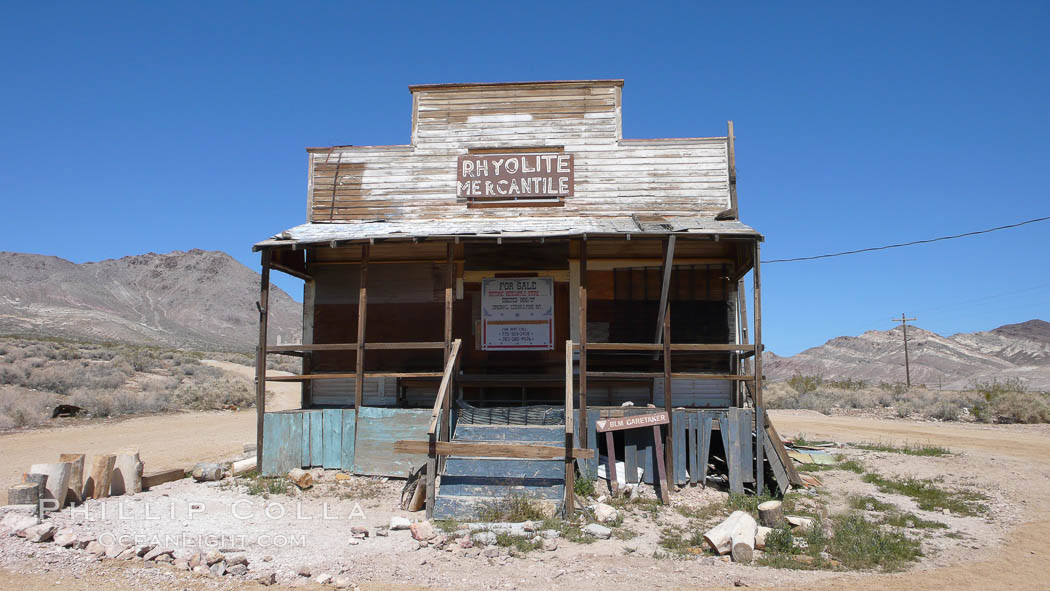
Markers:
point(517, 313)
point(504, 177)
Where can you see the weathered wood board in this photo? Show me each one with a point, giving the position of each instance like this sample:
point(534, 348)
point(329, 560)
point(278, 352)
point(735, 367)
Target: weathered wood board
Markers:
point(282, 442)
point(378, 429)
point(332, 434)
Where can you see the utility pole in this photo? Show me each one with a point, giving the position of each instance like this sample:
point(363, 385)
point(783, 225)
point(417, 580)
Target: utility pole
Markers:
point(907, 366)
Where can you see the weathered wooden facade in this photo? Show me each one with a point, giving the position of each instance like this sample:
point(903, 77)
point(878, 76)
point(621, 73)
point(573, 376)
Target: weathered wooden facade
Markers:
point(477, 299)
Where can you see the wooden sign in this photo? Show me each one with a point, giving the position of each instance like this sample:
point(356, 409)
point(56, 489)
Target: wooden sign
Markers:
point(517, 314)
point(632, 422)
point(507, 177)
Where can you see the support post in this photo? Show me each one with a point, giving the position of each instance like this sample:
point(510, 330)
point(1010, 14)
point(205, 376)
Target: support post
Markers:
point(669, 437)
point(446, 407)
point(583, 341)
point(760, 419)
point(570, 469)
point(260, 355)
point(742, 319)
point(362, 317)
point(731, 156)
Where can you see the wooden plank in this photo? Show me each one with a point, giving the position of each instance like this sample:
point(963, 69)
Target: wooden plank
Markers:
point(510, 434)
point(362, 318)
point(705, 445)
point(344, 376)
point(316, 419)
point(332, 429)
point(488, 450)
point(630, 456)
point(346, 456)
point(376, 431)
point(713, 347)
point(304, 455)
point(404, 346)
point(779, 472)
point(732, 433)
point(624, 375)
point(151, 479)
point(283, 432)
point(678, 428)
point(695, 424)
point(315, 347)
point(570, 428)
point(592, 438)
point(747, 451)
point(488, 467)
point(610, 466)
point(759, 403)
point(631, 422)
point(584, 435)
point(260, 357)
point(625, 346)
point(668, 395)
point(774, 438)
point(665, 285)
point(665, 494)
point(710, 376)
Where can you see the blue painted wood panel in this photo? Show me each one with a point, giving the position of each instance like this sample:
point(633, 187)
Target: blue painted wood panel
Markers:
point(347, 452)
point(489, 467)
point(630, 454)
point(282, 442)
point(678, 445)
point(378, 429)
point(693, 438)
point(316, 438)
point(332, 433)
point(304, 455)
point(511, 434)
point(746, 445)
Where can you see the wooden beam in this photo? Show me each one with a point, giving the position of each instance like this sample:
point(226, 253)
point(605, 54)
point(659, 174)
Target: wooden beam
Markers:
point(665, 285)
point(712, 376)
point(260, 357)
point(151, 479)
point(362, 318)
point(760, 430)
point(291, 271)
point(343, 376)
point(489, 450)
point(570, 467)
point(309, 347)
point(625, 374)
point(731, 155)
point(450, 279)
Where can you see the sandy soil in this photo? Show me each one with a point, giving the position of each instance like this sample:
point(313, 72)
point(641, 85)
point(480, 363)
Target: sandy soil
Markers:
point(1009, 459)
point(165, 440)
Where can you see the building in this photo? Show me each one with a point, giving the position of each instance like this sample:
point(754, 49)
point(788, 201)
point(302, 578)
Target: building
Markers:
point(513, 275)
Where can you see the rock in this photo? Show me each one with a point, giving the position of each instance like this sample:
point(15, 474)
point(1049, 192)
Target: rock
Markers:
point(24, 509)
point(397, 523)
point(195, 560)
point(605, 513)
point(144, 549)
point(550, 534)
point(15, 523)
point(342, 477)
point(381, 531)
point(113, 550)
point(341, 582)
point(218, 569)
point(207, 472)
point(304, 571)
point(549, 545)
point(236, 559)
point(267, 579)
point(237, 570)
point(528, 526)
point(802, 523)
point(946, 512)
point(490, 552)
point(157, 552)
point(166, 558)
point(65, 538)
point(323, 579)
point(359, 531)
point(200, 569)
point(40, 533)
point(422, 531)
point(181, 564)
point(353, 542)
point(127, 554)
point(267, 558)
point(598, 531)
point(94, 548)
point(212, 557)
point(484, 538)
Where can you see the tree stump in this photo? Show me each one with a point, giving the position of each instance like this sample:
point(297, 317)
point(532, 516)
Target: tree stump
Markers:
point(98, 484)
point(771, 513)
point(75, 494)
point(127, 474)
point(57, 484)
point(301, 478)
point(27, 493)
point(720, 537)
point(743, 540)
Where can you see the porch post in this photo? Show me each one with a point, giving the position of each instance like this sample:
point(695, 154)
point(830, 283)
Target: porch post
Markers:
point(362, 316)
point(669, 435)
point(446, 407)
point(760, 419)
point(583, 342)
point(260, 357)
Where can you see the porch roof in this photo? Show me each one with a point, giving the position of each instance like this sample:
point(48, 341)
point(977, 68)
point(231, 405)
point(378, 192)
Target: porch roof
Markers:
point(522, 227)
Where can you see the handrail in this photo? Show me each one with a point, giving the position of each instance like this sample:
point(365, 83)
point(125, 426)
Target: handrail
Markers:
point(704, 347)
point(446, 378)
point(352, 346)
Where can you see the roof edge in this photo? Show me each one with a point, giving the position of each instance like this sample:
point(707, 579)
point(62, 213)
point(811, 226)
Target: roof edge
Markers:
point(455, 85)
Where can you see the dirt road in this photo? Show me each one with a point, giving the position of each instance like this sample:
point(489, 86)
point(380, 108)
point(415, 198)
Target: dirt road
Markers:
point(1019, 564)
point(164, 441)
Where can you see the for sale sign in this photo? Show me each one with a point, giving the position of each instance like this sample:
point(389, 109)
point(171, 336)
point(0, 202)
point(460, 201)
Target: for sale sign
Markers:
point(517, 314)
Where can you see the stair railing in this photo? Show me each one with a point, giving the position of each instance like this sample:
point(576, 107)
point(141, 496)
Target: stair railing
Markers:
point(440, 414)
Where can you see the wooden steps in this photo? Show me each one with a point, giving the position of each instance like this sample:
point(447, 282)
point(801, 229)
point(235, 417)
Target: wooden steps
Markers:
point(468, 485)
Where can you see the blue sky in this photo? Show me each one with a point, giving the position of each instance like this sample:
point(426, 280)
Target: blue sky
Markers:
point(138, 127)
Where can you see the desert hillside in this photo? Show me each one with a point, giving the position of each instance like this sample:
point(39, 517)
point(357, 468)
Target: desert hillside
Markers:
point(1020, 351)
point(198, 299)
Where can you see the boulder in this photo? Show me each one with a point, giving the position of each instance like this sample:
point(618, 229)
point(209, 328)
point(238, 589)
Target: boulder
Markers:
point(65, 538)
point(157, 552)
point(598, 531)
point(42, 532)
point(549, 545)
point(605, 513)
point(237, 570)
point(16, 523)
point(212, 557)
point(359, 531)
point(237, 559)
point(114, 550)
point(127, 554)
point(484, 538)
point(341, 582)
point(304, 571)
point(200, 569)
point(94, 548)
point(218, 569)
point(422, 531)
point(397, 523)
point(323, 579)
point(266, 579)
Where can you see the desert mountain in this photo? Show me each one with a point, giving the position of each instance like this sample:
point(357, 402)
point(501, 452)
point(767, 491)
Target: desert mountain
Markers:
point(1011, 351)
point(197, 299)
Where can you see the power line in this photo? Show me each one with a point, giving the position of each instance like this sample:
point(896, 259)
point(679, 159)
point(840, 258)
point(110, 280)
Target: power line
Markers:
point(913, 243)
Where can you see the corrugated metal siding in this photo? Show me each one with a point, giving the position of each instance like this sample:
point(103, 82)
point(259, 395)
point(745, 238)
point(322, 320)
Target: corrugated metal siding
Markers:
point(694, 393)
point(340, 392)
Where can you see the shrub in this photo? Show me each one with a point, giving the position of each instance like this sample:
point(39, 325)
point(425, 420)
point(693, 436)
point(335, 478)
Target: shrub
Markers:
point(1007, 401)
point(803, 384)
point(213, 394)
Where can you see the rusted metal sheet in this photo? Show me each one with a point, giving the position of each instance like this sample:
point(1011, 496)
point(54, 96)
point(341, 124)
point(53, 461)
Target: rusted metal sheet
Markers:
point(511, 176)
point(632, 422)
